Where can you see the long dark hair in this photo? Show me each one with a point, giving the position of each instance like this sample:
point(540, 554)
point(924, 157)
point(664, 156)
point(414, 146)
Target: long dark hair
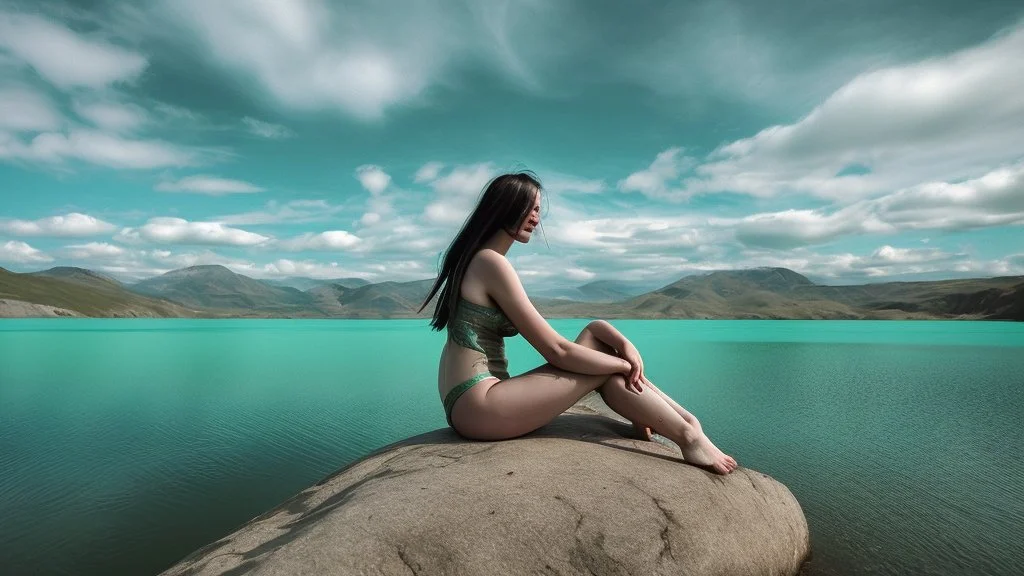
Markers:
point(505, 203)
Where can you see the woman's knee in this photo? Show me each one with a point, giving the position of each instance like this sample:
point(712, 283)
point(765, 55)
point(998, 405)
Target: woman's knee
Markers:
point(585, 334)
point(590, 340)
point(614, 381)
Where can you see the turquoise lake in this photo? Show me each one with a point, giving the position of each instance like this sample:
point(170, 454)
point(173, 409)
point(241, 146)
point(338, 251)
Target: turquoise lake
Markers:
point(127, 444)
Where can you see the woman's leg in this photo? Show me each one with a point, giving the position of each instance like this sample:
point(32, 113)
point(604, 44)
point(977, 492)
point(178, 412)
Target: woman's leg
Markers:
point(501, 409)
point(686, 416)
point(688, 434)
point(494, 410)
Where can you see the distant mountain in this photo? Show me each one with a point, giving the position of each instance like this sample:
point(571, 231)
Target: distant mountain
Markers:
point(215, 291)
point(777, 293)
point(749, 293)
point(81, 291)
point(611, 290)
point(782, 293)
point(306, 284)
point(214, 286)
point(81, 275)
point(381, 300)
point(995, 298)
point(597, 291)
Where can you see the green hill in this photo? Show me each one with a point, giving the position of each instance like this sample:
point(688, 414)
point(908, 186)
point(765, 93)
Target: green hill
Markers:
point(769, 293)
point(381, 300)
point(216, 287)
point(85, 292)
point(307, 284)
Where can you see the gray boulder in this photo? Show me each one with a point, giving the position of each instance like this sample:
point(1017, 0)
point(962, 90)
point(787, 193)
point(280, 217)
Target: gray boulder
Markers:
point(579, 496)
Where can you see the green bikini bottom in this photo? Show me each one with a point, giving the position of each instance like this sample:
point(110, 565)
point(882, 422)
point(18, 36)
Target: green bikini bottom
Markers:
point(453, 395)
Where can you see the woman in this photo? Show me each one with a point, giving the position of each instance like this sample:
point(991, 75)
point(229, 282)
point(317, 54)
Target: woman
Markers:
point(483, 302)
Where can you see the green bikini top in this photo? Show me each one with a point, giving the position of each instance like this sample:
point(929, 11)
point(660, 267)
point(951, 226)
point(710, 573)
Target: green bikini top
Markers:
point(480, 328)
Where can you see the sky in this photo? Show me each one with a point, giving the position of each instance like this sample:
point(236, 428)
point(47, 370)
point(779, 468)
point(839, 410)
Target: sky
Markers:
point(852, 142)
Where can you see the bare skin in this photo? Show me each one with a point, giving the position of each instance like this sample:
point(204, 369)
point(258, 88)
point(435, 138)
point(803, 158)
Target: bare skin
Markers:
point(499, 409)
point(694, 444)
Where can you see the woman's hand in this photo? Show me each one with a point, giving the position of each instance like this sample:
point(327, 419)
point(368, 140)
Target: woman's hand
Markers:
point(630, 354)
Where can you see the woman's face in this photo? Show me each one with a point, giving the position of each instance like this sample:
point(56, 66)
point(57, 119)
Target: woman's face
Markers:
point(530, 222)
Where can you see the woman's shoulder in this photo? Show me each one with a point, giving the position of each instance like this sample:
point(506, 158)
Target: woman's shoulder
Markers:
point(486, 267)
point(488, 254)
point(486, 261)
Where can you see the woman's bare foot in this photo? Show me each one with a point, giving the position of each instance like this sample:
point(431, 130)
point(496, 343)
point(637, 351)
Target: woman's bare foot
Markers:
point(703, 453)
point(718, 453)
point(714, 451)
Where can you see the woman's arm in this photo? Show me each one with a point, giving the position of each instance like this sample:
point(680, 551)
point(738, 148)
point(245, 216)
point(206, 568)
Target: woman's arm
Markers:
point(624, 349)
point(607, 333)
point(504, 287)
point(582, 360)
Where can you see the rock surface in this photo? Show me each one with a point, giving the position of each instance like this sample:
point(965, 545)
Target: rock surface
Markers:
point(579, 496)
point(22, 309)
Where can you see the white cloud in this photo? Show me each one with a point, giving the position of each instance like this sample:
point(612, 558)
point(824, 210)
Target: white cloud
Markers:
point(466, 180)
point(283, 268)
point(210, 185)
point(428, 172)
point(658, 179)
point(373, 178)
point(399, 270)
point(376, 181)
point(93, 250)
point(167, 260)
point(619, 235)
point(72, 224)
point(400, 235)
point(135, 264)
point(266, 129)
point(579, 274)
point(324, 241)
point(180, 231)
point(890, 256)
point(945, 118)
point(98, 148)
point(146, 264)
point(884, 264)
point(22, 253)
point(994, 199)
point(790, 228)
point(113, 116)
point(703, 53)
point(457, 192)
point(23, 109)
point(129, 235)
point(295, 212)
point(561, 183)
point(179, 114)
point(307, 59)
point(364, 60)
point(64, 58)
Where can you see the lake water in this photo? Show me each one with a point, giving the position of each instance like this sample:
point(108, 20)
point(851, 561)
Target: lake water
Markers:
point(127, 444)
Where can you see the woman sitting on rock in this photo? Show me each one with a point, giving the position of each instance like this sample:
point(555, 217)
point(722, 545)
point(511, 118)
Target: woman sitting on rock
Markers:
point(483, 302)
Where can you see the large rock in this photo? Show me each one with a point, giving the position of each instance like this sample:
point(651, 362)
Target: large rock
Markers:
point(579, 496)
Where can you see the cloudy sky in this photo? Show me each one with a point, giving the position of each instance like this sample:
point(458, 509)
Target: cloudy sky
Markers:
point(850, 141)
